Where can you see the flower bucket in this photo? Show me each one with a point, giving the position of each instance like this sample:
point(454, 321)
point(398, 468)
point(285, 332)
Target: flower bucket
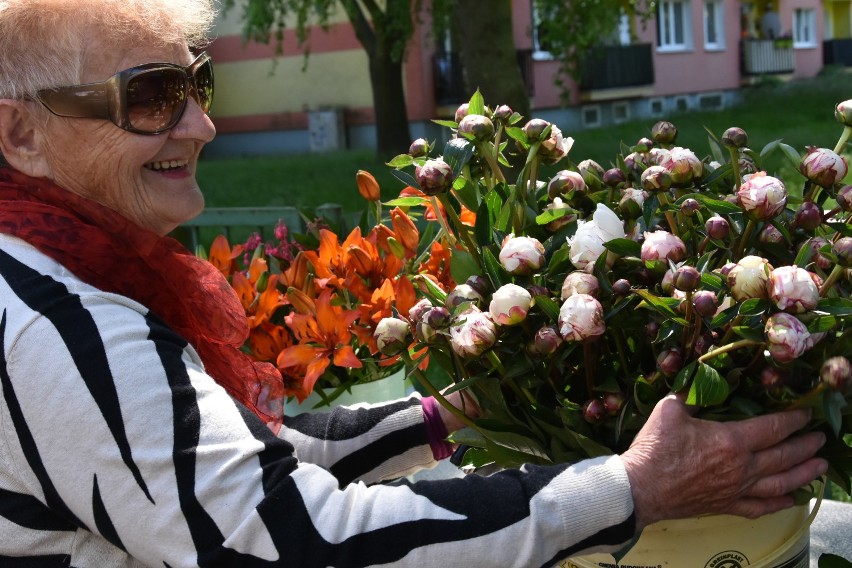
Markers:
point(389, 388)
point(778, 540)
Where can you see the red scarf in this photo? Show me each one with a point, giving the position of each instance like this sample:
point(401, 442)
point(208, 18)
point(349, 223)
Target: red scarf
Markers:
point(115, 255)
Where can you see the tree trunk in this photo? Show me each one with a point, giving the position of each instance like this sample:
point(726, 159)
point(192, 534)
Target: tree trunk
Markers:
point(483, 38)
point(392, 133)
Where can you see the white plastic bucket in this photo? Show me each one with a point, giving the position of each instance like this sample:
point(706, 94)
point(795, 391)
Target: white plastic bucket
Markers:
point(780, 540)
point(391, 387)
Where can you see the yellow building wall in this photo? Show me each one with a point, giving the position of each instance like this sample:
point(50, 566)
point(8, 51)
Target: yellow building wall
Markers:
point(229, 22)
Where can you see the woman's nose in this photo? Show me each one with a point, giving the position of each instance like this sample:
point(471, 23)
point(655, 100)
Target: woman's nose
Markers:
point(195, 123)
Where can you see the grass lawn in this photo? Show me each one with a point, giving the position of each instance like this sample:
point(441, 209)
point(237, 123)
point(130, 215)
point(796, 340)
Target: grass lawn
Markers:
point(799, 112)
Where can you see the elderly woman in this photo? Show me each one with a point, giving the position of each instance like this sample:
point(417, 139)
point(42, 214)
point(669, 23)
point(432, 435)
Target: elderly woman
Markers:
point(133, 431)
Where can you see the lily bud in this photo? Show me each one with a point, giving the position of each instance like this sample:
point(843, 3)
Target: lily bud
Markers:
point(463, 293)
point(472, 333)
point(594, 411)
point(823, 167)
point(717, 227)
point(762, 196)
point(461, 112)
point(842, 249)
point(793, 289)
point(510, 304)
point(521, 255)
point(419, 148)
point(565, 183)
point(392, 335)
point(705, 304)
point(843, 113)
point(614, 177)
point(434, 177)
point(808, 216)
point(656, 178)
point(580, 283)
point(786, 336)
point(748, 278)
point(836, 372)
point(581, 318)
point(478, 126)
point(662, 245)
point(670, 361)
point(735, 137)
point(683, 165)
point(664, 132)
point(686, 278)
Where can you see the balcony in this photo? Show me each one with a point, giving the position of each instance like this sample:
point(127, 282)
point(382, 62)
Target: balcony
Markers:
point(837, 52)
point(449, 79)
point(767, 56)
point(618, 67)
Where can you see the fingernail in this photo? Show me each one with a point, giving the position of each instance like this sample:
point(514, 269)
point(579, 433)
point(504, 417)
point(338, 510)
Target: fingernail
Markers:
point(823, 467)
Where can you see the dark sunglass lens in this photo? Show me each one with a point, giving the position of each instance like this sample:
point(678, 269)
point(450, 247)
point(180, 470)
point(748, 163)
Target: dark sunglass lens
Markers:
point(203, 78)
point(155, 99)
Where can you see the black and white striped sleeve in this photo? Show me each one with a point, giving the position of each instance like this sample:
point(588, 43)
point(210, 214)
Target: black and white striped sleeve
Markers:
point(117, 449)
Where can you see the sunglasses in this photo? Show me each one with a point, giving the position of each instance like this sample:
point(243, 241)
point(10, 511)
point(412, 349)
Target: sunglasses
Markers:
point(148, 99)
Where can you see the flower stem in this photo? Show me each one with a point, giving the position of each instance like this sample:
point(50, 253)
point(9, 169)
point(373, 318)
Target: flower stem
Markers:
point(744, 238)
point(832, 279)
point(421, 378)
point(844, 138)
point(805, 400)
point(441, 220)
point(589, 365)
point(471, 246)
point(735, 167)
point(664, 200)
point(729, 347)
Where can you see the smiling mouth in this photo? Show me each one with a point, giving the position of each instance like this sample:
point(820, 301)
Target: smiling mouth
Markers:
point(168, 165)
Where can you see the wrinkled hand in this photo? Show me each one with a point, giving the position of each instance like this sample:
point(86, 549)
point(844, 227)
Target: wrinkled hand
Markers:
point(680, 466)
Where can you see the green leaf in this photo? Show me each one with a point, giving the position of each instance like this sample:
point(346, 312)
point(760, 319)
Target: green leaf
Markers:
point(624, 247)
point(467, 193)
point(718, 174)
point(832, 405)
point(840, 307)
point(716, 205)
point(708, 388)
point(747, 332)
point(476, 104)
point(711, 281)
point(821, 324)
point(463, 265)
point(482, 229)
point(684, 377)
point(516, 133)
point(401, 161)
point(804, 256)
point(833, 561)
point(844, 229)
point(436, 294)
point(754, 307)
point(457, 153)
point(548, 306)
point(791, 154)
point(446, 123)
point(551, 215)
point(662, 305)
point(493, 269)
point(405, 178)
point(407, 202)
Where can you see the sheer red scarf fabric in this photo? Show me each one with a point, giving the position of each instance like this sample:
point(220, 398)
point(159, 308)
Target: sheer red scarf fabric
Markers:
point(108, 251)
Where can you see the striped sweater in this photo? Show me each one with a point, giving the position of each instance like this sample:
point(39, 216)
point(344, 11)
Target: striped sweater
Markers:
point(116, 449)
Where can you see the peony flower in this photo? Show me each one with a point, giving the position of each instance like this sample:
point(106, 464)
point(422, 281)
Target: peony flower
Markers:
point(808, 216)
point(419, 148)
point(836, 372)
point(478, 126)
point(392, 335)
point(546, 341)
point(735, 137)
point(762, 196)
point(823, 167)
point(786, 336)
point(632, 201)
point(521, 255)
point(464, 293)
point(434, 177)
point(843, 113)
point(472, 333)
point(656, 178)
point(565, 183)
point(664, 132)
point(747, 279)
point(556, 146)
point(717, 227)
point(581, 318)
point(418, 310)
point(510, 304)
point(683, 165)
point(662, 245)
point(557, 205)
point(670, 361)
point(587, 243)
point(580, 283)
point(793, 289)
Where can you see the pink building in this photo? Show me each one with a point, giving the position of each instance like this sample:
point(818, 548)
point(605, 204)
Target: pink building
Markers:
point(693, 54)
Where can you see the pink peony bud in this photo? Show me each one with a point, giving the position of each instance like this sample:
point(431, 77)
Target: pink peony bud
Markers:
point(534, 128)
point(510, 304)
point(656, 178)
point(643, 144)
point(631, 203)
point(461, 112)
point(683, 165)
point(670, 361)
point(556, 205)
point(836, 372)
point(463, 293)
point(580, 318)
point(770, 235)
point(546, 341)
point(438, 317)
point(472, 333)
point(793, 289)
point(664, 132)
point(592, 173)
point(614, 177)
point(614, 402)
point(690, 207)
point(419, 148)
point(565, 183)
point(434, 177)
point(735, 137)
point(580, 283)
point(762, 196)
point(503, 113)
point(717, 227)
point(662, 245)
point(594, 411)
point(786, 337)
point(842, 249)
point(772, 378)
point(478, 283)
point(823, 167)
point(686, 278)
point(843, 113)
point(478, 126)
point(555, 147)
point(818, 258)
point(418, 310)
point(844, 198)
point(749, 277)
point(392, 335)
point(521, 255)
point(705, 304)
point(808, 216)
point(621, 287)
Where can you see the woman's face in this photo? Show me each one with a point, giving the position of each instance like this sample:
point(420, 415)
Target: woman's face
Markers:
point(150, 179)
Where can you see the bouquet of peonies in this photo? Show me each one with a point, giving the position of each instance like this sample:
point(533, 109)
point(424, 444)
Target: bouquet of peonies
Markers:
point(588, 295)
point(313, 304)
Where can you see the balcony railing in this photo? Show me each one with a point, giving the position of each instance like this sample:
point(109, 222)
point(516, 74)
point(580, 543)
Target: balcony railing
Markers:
point(616, 66)
point(767, 56)
point(449, 80)
point(837, 52)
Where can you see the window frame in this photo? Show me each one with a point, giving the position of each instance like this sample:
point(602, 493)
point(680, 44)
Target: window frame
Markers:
point(718, 23)
point(665, 14)
point(806, 16)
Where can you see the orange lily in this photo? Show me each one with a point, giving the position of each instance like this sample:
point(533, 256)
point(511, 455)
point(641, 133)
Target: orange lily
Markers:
point(437, 266)
point(320, 341)
point(467, 216)
point(222, 256)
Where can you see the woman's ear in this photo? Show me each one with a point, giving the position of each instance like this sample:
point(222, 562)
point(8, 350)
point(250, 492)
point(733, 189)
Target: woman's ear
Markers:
point(20, 139)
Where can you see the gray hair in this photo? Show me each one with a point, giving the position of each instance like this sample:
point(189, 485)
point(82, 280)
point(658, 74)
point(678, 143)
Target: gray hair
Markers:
point(44, 43)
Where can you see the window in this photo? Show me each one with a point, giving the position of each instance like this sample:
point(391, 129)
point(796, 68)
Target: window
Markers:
point(804, 27)
point(656, 106)
point(591, 116)
point(674, 32)
point(711, 101)
point(620, 112)
point(714, 25)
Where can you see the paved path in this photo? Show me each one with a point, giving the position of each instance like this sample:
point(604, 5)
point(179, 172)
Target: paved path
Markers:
point(831, 531)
